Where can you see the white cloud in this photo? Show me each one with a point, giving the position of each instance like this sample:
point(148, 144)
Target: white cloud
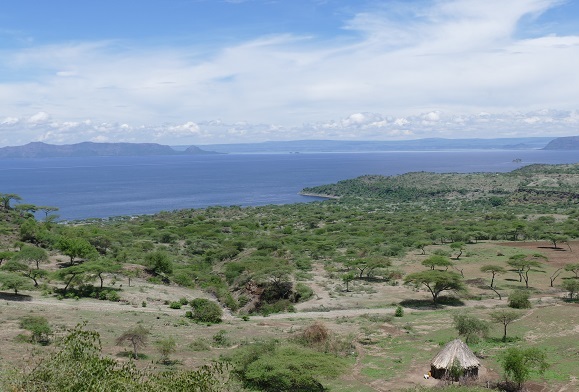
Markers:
point(39, 118)
point(450, 67)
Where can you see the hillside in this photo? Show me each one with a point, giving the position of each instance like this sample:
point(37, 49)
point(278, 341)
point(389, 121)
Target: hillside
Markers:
point(330, 294)
point(563, 143)
point(86, 149)
point(530, 183)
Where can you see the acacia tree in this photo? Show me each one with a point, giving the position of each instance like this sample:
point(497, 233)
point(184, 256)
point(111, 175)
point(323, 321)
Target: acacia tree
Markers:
point(519, 363)
point(32, 254)
point(76, 248)
point(494, 270)
point(347, 278)
point(25, 270)
point(6, 198)
point(505, 317)
point(436, 281)
point(137, 336)
point(524, 264)
point(101, 267)
point(12, 281)
point(437, 261)
point(458, 247)
point(5, 255)
point(573, 267)
point(470, 327)
point(571, 286)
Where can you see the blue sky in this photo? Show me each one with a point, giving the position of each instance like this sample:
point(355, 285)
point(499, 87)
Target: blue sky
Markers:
point(220, 71)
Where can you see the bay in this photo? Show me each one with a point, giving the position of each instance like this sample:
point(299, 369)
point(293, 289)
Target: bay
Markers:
point(100, 187)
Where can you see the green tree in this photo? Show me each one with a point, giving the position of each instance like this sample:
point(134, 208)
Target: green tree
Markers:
point(12, 281)
point(76, 248)
point(573, 267)
point(101, 267)
point(525, 263)
point(437, 261)
point(159, 262)
point(494, 270)
point(205, 311)
point(5, 255)
point(347, 278)
point(166, 347)
point(457, 247)
point(6, 198)
point(571, 286)
point(72, 276)
point(519, 363)
point(555, 239)
point(32, 254)
point(436, 281)
point(368, 265)
point(470, 327)
point(137, 336)
point(25, 270)
point(505, 317)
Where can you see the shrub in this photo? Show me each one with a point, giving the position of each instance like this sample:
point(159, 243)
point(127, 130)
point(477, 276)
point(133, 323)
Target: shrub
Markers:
point(220, 339)
point(206, 311)
point(112, 295)
point(39, 328)
point(199, 344)
point(399, 311)
point(315, 333)
point(175, 305)
point(302, 292)
point(519, 299)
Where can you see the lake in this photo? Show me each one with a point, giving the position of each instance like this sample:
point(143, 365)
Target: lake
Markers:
point(99, 187)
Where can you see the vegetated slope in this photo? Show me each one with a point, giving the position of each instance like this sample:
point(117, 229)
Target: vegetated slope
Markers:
point(545, 182)
point(563, 143)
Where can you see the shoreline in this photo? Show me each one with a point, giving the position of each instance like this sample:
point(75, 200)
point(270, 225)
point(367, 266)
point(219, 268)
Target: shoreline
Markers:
point(308, 194)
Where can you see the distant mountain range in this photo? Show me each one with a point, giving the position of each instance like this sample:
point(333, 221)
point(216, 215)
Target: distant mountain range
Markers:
point(43, 150)
point(433, 144)
point(89, 149)
point(563, 143)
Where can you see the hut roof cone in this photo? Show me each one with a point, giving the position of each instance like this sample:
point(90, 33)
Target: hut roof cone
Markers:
point(455, 352)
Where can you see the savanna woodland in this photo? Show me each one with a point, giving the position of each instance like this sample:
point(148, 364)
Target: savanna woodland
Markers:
point(356, 293)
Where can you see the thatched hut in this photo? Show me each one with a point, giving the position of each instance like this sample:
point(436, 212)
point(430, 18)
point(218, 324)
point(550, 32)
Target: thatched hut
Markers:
point(455, 354)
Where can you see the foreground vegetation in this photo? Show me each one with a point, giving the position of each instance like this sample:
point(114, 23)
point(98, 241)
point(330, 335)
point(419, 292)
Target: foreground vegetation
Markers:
point(387, 265)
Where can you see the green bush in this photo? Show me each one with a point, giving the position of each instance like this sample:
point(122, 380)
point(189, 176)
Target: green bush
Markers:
point(273, 367)
point(519, 299)
point(302, 292)
point(220, 339)
point(399, 311)
point(39, 328)
point(175, 305)
point(205, 311)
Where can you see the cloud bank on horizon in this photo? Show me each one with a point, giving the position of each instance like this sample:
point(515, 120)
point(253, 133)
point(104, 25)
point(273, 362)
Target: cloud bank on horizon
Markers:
point(224, 71)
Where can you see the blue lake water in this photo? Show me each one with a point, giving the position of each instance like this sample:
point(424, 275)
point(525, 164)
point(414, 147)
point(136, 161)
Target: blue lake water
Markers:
point(98, 187)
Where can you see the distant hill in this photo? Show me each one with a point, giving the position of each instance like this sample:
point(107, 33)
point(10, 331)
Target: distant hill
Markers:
point(89, 149)
point(432, 144)
point(563, 143)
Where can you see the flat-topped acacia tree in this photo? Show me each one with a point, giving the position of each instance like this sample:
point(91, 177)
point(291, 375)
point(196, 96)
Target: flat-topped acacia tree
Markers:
point(437, 281)
point(525, 263)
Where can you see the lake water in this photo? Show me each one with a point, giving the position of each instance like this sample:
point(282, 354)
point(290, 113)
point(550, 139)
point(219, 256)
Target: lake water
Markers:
point(98, 187)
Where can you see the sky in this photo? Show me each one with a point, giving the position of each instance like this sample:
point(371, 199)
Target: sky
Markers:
point(184, 72)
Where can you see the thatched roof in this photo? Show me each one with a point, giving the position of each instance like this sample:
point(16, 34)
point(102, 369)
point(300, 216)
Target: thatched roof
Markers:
point(455, 350)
